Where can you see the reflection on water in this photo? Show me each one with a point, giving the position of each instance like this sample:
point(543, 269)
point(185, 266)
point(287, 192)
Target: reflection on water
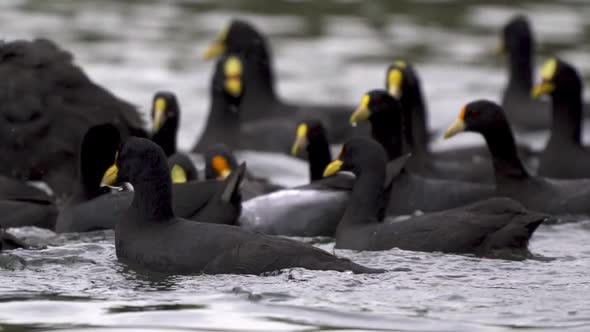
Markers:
point(324, 51)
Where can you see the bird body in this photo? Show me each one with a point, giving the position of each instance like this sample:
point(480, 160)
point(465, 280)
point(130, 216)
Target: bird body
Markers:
point(151, 237)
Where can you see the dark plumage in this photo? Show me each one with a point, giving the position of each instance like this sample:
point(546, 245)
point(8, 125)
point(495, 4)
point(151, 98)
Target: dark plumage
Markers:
point(226, 123)
point(165, 121)
point(563, 83)
point(97, 153)
point(482, 228)
point(260, 100)
point(220, 161)
point(402, 82)
point(512, 178)
point(316, 208)
point(311, 137)
point(24, 205)
point(46, 98)
point(151, 237)
point(411, 191)
point(521, 110)
point(93, 207)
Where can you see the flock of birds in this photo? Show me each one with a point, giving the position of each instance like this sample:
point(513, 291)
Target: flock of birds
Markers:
point(482, 201)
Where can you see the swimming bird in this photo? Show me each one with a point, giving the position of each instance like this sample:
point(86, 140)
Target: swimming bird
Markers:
point(403, 83)
point(486, 228)
point(410, 190)
point(165, 120)
point(521, 109)
point(93, 207)
point(562, 82)
point(260, 100)
point(220, 162)
point(22, 204)
point(226, 123)
point(558, 197)
point(311, 137)
point(47, 98)
point(151, 237)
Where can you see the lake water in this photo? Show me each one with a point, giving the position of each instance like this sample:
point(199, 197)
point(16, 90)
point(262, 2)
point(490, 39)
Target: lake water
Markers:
point(325, 51)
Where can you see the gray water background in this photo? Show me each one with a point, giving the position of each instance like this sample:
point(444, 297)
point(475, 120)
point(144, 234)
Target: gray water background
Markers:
point(324, 51)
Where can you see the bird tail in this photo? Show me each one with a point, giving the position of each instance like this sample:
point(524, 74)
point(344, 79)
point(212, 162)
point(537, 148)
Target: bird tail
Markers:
point(511, 241)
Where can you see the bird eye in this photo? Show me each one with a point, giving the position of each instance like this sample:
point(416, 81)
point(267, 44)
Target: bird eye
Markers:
point(474, 113)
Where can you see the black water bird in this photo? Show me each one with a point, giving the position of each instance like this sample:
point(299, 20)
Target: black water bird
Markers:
point(46, 98)
point(260, 100)
point(403, 82)
point(495, 227)
point(226, 123)
point(521, 109)
point(311, 137)
point(558, 197)
point(93, 207)
point(562, 82)
point(411, 191)
point(165, 115)
point(151, 237)
point(469, 164)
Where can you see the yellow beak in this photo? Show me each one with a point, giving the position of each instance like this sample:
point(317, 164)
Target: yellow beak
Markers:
point(159, 112)
point(110, 176)
point(457, 127)
point(301, 140)
point(542, 88)
point(362, 113)
point(178, 174)
point(333, 167)
point(394, 82)
point(215, 49)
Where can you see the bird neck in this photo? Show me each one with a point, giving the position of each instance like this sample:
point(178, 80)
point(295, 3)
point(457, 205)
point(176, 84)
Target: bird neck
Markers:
point(365, 200)
point(166, 137)
point(521, 70)
point(90, 179)
point(415, 119)
point(567, 117)
point(261, 78)
point(152, 200)
point(383, 131)
point(507, 164)
point(222, 115)
point(320, 156)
